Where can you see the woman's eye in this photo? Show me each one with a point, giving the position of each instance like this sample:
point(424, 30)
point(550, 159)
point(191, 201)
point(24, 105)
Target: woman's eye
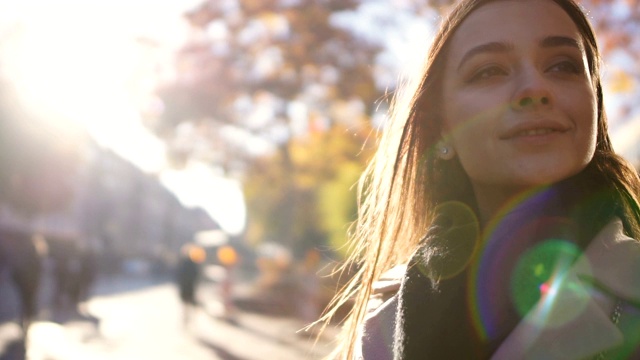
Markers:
point(487, 73)
point(568, 67)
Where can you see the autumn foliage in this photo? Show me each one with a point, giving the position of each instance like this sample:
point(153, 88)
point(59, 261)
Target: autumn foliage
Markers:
point(287, 96)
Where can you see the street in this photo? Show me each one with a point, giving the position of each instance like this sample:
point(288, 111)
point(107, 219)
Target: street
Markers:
point(142, 319)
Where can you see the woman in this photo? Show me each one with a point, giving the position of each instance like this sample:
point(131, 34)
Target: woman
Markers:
point(498, 187)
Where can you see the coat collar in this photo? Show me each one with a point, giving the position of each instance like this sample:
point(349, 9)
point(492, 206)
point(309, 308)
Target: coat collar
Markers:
point(574, 321)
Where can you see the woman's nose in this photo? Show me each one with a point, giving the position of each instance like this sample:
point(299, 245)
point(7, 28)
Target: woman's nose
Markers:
point(531, 93)
point(527, 101)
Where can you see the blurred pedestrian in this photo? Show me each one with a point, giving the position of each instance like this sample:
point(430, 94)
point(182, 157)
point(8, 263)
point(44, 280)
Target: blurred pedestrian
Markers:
point(12, 336)
point(20, 271)
point(188, 275)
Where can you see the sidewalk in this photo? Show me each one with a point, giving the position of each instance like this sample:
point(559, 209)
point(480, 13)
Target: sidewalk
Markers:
point(140, 318)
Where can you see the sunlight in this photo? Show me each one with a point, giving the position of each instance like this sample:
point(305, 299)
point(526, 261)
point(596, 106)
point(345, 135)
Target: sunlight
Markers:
point(86, 66)
point(91, 67)
point(222, 197)
point(76, 75)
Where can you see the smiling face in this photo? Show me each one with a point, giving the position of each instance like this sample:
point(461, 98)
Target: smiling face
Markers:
point(519, 105)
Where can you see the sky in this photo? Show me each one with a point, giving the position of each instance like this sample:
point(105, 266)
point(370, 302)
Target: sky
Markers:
point(81, 62)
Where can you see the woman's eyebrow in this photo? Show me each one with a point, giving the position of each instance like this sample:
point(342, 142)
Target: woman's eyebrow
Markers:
point(555, 41)
point(491, 47)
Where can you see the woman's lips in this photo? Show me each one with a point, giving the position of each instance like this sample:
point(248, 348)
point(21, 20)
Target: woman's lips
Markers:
point(533, 129)
point(535, 132)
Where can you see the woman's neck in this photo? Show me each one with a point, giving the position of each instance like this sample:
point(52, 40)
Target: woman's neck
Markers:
point(492, 201)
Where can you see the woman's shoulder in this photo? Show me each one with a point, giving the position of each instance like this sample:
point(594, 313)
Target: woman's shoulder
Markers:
point(613, 261)
point(385, 287)
point(606, 278)
point(376, 334)
point(389, 281)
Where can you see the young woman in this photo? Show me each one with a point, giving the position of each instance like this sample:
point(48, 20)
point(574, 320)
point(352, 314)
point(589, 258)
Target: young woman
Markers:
point(497, 221)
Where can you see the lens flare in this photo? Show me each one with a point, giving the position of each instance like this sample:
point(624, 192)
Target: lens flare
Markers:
point(451, 251)
point(541, 277)
point(502, 243)
point(524, 260)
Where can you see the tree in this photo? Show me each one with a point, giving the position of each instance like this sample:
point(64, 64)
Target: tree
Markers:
point(261, 70)
point(320, 186)
point(257, 78)
point(261, 78)
point(617, 25)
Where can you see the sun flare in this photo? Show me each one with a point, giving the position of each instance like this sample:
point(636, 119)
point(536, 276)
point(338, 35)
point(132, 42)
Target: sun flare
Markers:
point(83, 68)
point(78, 76)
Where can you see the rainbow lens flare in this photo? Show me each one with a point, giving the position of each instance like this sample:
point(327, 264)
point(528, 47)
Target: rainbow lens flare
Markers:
point(541, 278)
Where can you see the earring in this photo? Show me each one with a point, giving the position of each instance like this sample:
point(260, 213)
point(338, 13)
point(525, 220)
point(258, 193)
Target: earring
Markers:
point(445, 152)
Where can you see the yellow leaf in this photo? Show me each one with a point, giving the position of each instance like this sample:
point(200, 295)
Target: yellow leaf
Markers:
point(621, 82)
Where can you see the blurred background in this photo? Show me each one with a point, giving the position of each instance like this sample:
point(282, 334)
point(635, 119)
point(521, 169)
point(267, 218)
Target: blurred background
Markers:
point(177, 176)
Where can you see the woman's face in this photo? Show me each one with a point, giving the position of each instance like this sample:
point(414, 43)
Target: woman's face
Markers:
point(519, 103)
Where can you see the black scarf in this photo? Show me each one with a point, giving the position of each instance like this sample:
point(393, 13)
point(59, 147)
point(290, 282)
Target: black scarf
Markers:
point(431, 321)
point(434, 319)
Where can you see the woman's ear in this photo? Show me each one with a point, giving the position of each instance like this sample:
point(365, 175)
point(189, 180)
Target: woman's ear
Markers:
point(445, 150)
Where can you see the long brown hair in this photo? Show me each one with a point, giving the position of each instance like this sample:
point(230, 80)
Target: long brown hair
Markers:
point(405, 180)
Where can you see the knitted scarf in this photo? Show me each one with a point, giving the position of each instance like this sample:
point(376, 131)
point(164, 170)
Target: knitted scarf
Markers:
point(435, 317)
